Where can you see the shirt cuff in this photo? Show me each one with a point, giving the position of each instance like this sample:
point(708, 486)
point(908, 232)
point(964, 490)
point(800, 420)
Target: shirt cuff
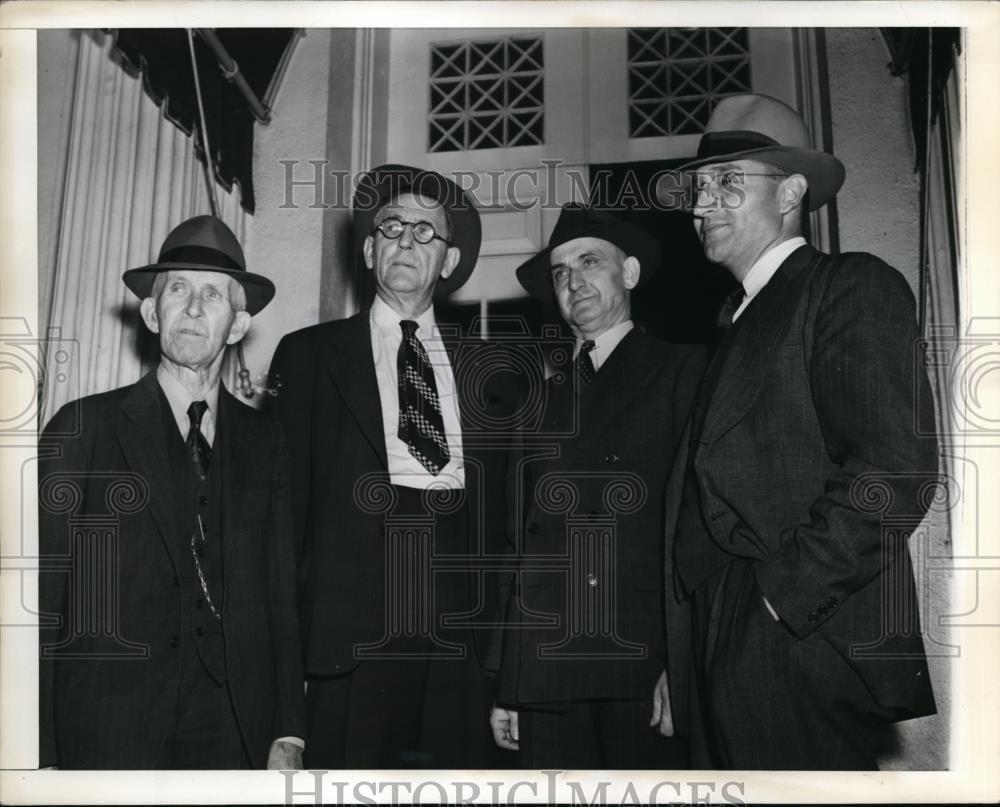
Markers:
point(292, 741)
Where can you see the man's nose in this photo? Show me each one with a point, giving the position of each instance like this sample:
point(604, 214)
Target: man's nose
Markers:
point(406, 237)
point(194, 305)
point(575, 278)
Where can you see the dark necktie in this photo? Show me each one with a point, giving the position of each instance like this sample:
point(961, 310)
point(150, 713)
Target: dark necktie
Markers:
point(585, 365)
point(729, 307)
point(420, 424)
point(197, 446)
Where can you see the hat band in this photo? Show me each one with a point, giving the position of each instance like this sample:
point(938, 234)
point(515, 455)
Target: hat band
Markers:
point(718, 144)
point(208, 256)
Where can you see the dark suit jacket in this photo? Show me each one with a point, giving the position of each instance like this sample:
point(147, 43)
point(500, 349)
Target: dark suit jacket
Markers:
point(598, 462)
point(104, 469)
point(327, 397)
point(815, 462)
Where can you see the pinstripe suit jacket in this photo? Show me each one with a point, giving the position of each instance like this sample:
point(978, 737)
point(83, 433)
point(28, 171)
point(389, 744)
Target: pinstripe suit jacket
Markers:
point(816, 461)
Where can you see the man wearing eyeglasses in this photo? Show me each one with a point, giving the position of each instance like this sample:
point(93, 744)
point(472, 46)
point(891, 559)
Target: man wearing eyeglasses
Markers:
point(385, 481)
point(806, 466)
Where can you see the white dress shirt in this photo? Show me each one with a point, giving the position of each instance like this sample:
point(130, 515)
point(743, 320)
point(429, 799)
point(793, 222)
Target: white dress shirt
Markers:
point(605, 344)
point(180, 399)
point(765, 267)
point(404, 469)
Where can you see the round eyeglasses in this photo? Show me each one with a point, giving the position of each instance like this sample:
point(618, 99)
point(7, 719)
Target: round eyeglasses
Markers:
point(423, 231)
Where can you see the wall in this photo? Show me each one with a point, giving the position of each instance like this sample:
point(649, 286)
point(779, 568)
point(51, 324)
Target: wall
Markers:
point(879, 212)
point(285, 234)
point(878, 205)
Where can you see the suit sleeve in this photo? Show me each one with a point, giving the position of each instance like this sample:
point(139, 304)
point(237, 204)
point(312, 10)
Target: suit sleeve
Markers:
point(61, 453)
point(292, 381)
point(865, 378)
point(290, 696)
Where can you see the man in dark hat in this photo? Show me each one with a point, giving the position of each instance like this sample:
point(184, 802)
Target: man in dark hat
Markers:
point(807, 465)
point(580, 682)
point(169, 637)
point(377, 409)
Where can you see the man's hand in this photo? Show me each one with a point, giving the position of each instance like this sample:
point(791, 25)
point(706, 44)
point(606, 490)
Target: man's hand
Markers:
point(504, 725)
point(662, 718)
point(284, 757)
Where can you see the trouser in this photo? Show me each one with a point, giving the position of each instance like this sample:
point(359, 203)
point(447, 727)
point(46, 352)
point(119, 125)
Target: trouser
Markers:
point(207, 735)
point(426, 703)
point(604, 734)
point(764, 699)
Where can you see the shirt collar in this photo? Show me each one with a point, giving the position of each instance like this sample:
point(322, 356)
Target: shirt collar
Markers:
point(386, 319)
point(607, 342)
point(767, 264)
point(180, 399)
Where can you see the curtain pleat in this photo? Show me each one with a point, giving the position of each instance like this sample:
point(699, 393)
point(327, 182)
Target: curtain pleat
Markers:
point(132, 176)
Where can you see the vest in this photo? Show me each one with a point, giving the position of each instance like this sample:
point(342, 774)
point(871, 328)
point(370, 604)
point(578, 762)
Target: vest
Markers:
point(197, 506)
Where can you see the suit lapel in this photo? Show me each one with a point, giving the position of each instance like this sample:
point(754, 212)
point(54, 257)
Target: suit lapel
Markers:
point(351, 363)
point(767, 318)
point(621, 378)
point(140, 435)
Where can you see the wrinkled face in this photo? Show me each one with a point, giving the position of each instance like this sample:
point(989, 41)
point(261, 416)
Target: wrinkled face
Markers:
point(194, 315)
point(404, 267)
point(592, 278)
point(737, 212)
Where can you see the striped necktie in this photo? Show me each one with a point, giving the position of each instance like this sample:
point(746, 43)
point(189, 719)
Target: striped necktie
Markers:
point(421, 426)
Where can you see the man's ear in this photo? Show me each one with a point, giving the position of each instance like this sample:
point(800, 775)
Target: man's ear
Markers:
point(631, 272)
point(241, 323)
point(147, 309)
point(450, 262)
point(369, 251)
point(793, 191)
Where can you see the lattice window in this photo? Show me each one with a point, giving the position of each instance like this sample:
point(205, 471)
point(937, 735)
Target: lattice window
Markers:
point(487, 95)
point(677, 75)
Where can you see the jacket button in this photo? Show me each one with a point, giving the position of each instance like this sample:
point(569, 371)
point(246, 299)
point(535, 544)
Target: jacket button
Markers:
point(612, 459)
point(592, 581)
point(532, 527)
point(203, 501)
point(174, 641)
point(199, 632)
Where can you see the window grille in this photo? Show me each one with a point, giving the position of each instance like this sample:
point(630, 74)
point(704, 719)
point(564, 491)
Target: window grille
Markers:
point(677, 75)
point(486, 95)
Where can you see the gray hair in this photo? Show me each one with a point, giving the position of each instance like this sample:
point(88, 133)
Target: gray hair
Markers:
point(237, 294)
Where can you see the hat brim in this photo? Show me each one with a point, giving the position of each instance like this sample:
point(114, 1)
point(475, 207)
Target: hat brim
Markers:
point(467, 232)
point(535, 274)
point(824, 172)
point(259, 289)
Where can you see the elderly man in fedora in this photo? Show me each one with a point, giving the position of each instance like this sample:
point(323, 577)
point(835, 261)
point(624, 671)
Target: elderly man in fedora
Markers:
point(807, 465)
point(169, 636)
point(380, 412)
point(580, 669)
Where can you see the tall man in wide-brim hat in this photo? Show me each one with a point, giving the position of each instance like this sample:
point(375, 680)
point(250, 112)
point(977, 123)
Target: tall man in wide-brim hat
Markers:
point(169, 636)
point(582, 654)
point(807, 464)
point(389, 482)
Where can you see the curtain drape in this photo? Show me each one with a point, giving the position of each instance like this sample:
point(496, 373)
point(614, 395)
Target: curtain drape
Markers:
point(131, 177)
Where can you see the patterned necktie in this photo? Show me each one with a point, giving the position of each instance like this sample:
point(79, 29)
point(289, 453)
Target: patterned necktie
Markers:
point(197, 445)
point(585, 365)
point(420, 424)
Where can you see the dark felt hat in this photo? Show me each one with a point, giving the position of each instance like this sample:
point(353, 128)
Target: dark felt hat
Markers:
point(580, 221)
point(758, 127)
point(204, 244)
point(385, 183)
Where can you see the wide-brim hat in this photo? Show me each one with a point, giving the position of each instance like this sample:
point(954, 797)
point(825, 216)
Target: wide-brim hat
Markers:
point(204, 244)
point(580, 221)
point(387, 182)
point(758, 127)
